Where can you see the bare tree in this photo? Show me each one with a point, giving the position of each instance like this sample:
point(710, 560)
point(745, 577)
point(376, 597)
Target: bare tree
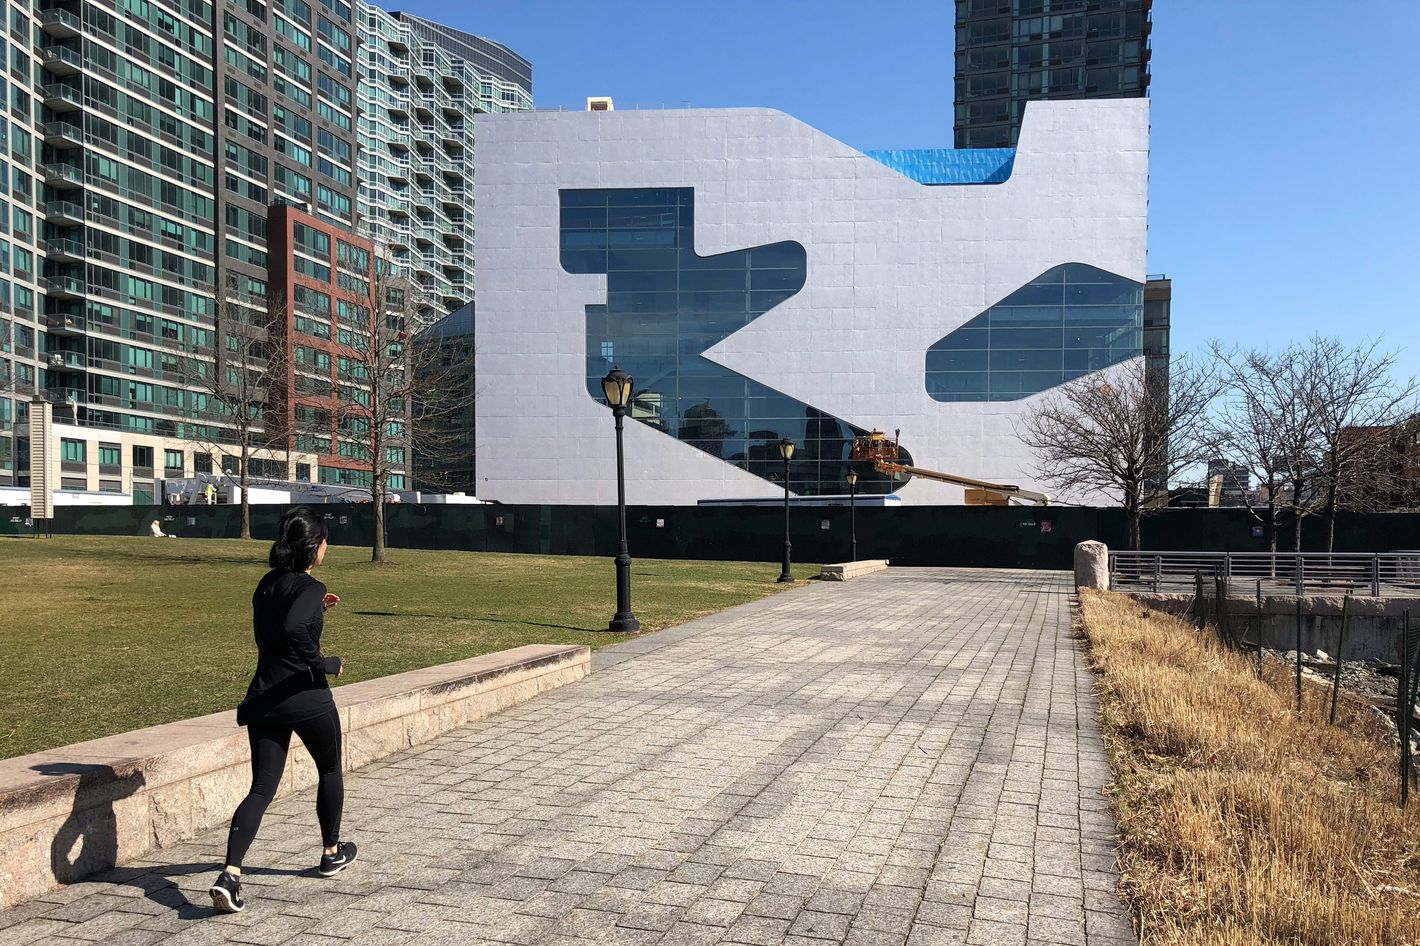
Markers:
point(1316, 423)
point(399, 395)
point(1358, 402)
point(1256, 425)
point(1123, 433)
point(241, 392)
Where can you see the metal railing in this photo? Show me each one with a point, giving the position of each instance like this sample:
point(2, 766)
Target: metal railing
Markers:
point(1380, 574)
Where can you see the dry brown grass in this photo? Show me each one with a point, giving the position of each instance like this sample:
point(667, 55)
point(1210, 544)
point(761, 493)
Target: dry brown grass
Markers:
point(1244, 824)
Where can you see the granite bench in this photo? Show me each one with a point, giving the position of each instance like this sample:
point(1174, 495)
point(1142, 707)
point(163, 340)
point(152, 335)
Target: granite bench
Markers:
point(77, 810)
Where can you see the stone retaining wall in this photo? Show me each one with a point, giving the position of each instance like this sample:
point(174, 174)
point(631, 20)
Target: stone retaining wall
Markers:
point(71, 812)
point(1373, 625)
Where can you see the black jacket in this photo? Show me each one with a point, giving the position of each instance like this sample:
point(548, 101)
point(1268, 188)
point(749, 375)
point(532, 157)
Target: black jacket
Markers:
point(288, 614)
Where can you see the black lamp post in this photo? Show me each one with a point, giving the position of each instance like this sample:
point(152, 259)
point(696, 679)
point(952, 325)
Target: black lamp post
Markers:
point(786, 450)
point(852, 514)
point(617, 388)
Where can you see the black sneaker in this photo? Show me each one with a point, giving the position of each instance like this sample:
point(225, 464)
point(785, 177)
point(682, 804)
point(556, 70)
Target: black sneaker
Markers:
point(227, 894)
point(332, 864)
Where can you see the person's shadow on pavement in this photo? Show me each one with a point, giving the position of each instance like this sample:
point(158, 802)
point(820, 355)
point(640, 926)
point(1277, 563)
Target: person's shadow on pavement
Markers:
point(86, 845)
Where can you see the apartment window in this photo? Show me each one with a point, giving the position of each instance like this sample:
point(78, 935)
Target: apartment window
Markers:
point(73, 451)
point(202, 463)
point(143, 457)
point(110, 454)
point(311, 240)
point(173, 464)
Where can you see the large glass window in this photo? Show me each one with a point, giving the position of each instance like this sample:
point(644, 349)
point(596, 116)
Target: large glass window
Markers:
point(1065, 323)
point(666, 304)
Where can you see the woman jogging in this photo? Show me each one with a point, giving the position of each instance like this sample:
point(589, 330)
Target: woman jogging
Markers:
point(289, 693)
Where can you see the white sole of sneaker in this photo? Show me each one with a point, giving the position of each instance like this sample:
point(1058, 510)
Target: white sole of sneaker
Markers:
point(222, 900)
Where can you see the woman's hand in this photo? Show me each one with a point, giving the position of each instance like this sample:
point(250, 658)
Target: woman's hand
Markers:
point(341, 671)
point(330, 600)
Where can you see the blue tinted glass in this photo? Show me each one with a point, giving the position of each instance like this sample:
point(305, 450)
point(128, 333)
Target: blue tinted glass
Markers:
point(1068, 321)
point(968, 337)
point(665, 305)
point(951, 360)
point(1040, 360)
point(1032, 294)
point(1023, 316)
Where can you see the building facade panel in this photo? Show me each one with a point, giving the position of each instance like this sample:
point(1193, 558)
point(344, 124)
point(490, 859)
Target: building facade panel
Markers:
point(891, 267)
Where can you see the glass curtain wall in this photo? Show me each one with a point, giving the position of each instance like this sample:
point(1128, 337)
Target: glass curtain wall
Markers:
point(666, 305)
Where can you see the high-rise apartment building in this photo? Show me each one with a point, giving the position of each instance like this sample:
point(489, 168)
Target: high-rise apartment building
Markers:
point(143, 145)
point(144, 141)
point(285, 80)
point(22, 234)
point(1010, 52)
point(423, 85)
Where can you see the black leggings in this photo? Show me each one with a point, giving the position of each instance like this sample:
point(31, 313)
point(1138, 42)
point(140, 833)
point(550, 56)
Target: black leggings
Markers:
point(269, 744)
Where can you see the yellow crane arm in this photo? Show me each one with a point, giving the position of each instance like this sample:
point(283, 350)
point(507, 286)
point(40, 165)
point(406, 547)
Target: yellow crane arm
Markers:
point(1010, 492)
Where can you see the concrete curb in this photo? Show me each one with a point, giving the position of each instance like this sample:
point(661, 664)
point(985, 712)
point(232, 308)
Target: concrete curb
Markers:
point(77, 810)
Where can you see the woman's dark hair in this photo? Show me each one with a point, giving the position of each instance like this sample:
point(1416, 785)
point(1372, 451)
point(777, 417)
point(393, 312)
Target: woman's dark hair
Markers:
point(297, 539)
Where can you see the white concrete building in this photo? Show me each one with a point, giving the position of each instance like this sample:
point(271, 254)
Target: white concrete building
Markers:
point(761, 279)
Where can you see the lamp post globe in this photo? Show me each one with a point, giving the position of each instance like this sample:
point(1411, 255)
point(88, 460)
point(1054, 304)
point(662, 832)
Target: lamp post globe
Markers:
point(786, 451)
point(852, 479)
point(616, 387)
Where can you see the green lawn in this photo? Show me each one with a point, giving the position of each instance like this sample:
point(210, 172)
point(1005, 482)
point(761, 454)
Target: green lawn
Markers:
point(106, 634)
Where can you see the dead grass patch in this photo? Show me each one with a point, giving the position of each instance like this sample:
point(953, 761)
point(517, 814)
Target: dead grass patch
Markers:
point(1242, 823)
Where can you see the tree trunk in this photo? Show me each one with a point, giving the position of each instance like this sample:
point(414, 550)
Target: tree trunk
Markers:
point(1131, 519)
point(1296, 528)
point(1331, 514)
point(246, 493)
point(377, 493)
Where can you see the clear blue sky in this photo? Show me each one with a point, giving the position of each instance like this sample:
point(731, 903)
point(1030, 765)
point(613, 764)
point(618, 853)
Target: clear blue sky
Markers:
point(1285, 188)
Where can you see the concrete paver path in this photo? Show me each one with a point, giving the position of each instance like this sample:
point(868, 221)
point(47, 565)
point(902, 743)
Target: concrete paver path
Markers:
point(909, 758)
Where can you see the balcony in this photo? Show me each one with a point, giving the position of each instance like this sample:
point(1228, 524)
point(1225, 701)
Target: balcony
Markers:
point(58, 395)
point(63, 175)
point(65, 359)
point(61, 60)
point(64, 287)
point(62, 134)
point(59, 323)
point(61, 97)
point(64, 211)
point(65, 249)
point(60, 24)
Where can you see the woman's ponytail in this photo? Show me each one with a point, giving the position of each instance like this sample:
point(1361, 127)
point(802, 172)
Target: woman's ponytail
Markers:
point(298, 540)
point(282, 557)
